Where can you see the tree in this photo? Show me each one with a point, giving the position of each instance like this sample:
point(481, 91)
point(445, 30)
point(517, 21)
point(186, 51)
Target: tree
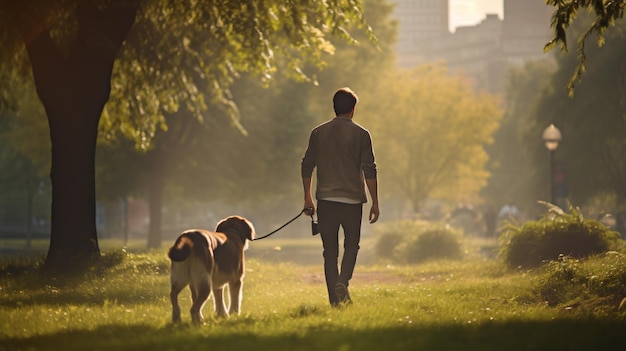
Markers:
point(73, 85)
point(430, 131)
point(24, 155)
point(516, 175)
point(606, 12)
point(593, 123)
point(23, 200)
point(73, 45)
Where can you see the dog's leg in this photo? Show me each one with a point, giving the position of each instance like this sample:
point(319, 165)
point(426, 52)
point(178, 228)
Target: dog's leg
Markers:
point(176, 289)
point(199, 297)
point(178, 280)
point(235, 289)
point(220, 306)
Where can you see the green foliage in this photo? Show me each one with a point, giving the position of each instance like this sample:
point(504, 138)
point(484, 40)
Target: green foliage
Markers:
point(557, 233)
point(411, 242)
point(186, 56)
point(392, 235)
point(593, 149)
point(422, 157)
point(435, 243)
point(563, 281)
point(24, 155)
point(181, 58)
point(593, 283)
point(511, 150)
point(606, 14)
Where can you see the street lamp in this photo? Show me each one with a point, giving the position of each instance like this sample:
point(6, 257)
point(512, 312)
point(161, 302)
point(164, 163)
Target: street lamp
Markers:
point(551, 137)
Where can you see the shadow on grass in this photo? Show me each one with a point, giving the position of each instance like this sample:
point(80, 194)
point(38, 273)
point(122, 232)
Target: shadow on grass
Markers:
point(126, 297)
point(591, 334)
point(23, 282)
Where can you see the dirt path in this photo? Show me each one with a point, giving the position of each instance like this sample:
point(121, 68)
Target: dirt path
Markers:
point(363, 278)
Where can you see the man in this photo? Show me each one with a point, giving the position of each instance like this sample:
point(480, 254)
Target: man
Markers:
point(343, 154)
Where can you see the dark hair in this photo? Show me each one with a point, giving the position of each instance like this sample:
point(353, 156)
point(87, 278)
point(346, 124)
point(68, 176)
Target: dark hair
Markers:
point(344, 101)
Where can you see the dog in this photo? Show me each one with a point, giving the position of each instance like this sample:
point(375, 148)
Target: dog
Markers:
point(208, 261)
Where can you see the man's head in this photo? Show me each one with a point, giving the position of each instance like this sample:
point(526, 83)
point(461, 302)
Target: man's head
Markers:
point(344, 101)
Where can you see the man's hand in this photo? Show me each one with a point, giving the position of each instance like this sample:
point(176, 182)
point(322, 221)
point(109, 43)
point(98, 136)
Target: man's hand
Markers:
point(374, 213)
point(309, 205)
point(309, 208)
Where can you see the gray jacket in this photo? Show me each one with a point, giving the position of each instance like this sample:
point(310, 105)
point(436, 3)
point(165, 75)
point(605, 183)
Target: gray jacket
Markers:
point(343, 154)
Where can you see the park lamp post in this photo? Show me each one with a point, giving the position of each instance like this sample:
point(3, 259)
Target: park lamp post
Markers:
point(551, 137)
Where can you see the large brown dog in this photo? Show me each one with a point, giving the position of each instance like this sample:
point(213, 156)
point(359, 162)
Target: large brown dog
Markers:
point(207, 261)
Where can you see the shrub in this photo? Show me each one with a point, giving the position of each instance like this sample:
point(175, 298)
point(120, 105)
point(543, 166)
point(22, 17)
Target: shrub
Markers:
point(412, 242)
point(391, 237)
point(433, 244)
point(556, 233)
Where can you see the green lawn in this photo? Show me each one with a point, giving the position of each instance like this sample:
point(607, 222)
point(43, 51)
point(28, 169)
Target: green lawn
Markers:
point(471, 304)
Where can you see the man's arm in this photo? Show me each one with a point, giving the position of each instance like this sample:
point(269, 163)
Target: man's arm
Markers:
point(308, 199)
point(372, 186)
point(306, 169)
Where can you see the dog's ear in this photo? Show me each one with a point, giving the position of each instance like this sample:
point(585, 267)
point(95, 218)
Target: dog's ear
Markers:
point(251, 232)
point(243, 226)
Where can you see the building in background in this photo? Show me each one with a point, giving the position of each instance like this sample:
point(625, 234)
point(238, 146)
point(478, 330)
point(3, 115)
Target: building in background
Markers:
point(526, 29)
point(420, 22)
point(484, 51)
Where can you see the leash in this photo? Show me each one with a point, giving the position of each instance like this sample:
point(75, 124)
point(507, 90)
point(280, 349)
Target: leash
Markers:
point(284, 225)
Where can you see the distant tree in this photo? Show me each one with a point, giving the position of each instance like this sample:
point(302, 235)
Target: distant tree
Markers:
point(73, 45)
point(516, 175)
point(430, 131)
point(593, 123)
point(607, 13)
point(20, 186)
point(24, 155)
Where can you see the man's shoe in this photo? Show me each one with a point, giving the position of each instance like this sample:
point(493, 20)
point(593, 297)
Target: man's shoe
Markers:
point(343, 295)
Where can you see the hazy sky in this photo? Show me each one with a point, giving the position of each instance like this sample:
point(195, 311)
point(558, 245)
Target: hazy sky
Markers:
point(470, 12)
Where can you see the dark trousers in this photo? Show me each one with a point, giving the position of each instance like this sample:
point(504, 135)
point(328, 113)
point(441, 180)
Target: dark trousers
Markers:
point(332, 215)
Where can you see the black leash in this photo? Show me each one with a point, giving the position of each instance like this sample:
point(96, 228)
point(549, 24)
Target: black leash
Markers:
point(284, 225)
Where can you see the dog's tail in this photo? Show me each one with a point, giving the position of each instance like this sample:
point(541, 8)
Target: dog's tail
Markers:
point(181, 249)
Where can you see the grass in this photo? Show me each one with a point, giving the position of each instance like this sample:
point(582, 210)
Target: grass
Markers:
point(470, 304)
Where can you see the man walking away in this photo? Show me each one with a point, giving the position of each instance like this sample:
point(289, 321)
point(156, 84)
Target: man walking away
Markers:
point(343, 154)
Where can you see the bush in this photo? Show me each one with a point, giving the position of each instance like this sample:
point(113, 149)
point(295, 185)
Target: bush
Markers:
point(433, 244)
point(393, 235)
point(410, 242)
point(556, 233)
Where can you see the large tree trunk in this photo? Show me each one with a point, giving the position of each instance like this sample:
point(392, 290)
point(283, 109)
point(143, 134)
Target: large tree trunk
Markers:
point(73, 132)
point(73, 89)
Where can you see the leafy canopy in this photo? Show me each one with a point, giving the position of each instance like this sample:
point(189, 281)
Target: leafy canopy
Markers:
point(185, 54)
point(606, 12)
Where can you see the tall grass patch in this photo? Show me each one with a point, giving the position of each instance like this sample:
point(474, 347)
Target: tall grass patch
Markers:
point(597, 284)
